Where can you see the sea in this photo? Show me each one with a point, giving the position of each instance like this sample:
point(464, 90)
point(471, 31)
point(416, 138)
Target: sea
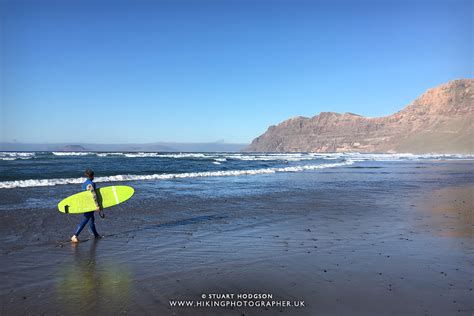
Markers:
point(51, 176)
point(35, 169)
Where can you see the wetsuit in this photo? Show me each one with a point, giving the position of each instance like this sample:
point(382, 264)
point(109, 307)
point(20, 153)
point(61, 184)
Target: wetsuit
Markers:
point(89, 216)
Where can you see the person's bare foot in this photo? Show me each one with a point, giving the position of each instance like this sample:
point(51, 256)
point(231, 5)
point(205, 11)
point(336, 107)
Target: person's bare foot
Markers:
point(74, 239)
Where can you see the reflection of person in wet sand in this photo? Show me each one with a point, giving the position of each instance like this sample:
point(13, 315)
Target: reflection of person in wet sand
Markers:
point(88, 185)
point(93, 284)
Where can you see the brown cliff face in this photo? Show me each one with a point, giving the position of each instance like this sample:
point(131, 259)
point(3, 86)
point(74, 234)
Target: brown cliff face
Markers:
point(439, 121)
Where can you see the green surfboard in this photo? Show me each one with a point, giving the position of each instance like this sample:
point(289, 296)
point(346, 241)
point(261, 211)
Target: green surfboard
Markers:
point(84, 202)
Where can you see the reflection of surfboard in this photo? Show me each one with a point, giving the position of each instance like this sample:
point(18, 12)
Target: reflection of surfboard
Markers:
point(106, 196)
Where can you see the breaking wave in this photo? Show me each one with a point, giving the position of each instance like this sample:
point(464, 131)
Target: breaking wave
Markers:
point(222, 157)
point(119, 178)
point(6, 155)
point(71, 153)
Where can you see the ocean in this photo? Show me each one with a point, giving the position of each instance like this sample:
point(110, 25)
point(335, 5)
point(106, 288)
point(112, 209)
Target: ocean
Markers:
point(39, 180)
point(35, 169)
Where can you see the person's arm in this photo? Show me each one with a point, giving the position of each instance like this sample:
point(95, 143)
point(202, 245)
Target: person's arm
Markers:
point(94, 196)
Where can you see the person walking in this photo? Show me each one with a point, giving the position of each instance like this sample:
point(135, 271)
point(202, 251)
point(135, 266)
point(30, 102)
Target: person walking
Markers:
point(88, 185)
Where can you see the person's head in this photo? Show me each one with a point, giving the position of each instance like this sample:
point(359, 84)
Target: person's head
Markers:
point(89, 173)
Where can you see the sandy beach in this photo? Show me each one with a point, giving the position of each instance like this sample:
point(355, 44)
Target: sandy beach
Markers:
point(391, 240)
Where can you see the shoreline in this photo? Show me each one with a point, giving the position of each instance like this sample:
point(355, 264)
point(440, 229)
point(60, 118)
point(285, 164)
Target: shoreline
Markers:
point(383, 244)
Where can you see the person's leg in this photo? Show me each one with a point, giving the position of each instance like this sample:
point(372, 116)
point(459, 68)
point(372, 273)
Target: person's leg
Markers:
point(92, 226)
point(83, 223)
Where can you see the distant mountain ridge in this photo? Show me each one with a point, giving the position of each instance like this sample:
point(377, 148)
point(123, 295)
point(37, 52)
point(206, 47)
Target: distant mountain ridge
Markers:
point(151, 147)
point(439, 121)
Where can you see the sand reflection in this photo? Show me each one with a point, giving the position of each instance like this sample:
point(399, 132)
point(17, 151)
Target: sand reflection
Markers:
point(451, 210)
point(93, 284)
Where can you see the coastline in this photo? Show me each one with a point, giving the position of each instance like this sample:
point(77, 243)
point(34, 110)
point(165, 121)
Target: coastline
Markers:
point(360, 241)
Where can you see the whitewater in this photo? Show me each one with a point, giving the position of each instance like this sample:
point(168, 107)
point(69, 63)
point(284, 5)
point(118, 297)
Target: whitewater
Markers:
point(39, 169)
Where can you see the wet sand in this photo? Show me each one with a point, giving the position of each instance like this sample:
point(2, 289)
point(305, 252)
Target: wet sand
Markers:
point(361, 249)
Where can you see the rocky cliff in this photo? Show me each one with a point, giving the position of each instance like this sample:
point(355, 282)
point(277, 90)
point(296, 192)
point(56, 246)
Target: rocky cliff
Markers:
point(440, 120)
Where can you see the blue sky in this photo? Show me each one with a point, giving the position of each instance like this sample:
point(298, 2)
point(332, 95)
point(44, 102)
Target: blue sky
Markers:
point(196, 71)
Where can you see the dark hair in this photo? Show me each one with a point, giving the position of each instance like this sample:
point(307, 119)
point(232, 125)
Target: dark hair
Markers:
point(89, 173)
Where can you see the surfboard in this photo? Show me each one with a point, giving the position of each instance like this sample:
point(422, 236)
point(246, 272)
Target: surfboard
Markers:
point(107, 197)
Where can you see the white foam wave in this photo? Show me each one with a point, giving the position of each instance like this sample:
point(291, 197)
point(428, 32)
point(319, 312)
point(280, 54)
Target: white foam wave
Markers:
point(221, 157)
point(216, 156)
point(7, 155)
point(119, 178)
point(140, 155)
point(71, 153)
point(352, 156)
point(269, 157)
point(161, 155)
point(109, 154)
point(187, 155)
point(39, 183)
point(406, 157)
